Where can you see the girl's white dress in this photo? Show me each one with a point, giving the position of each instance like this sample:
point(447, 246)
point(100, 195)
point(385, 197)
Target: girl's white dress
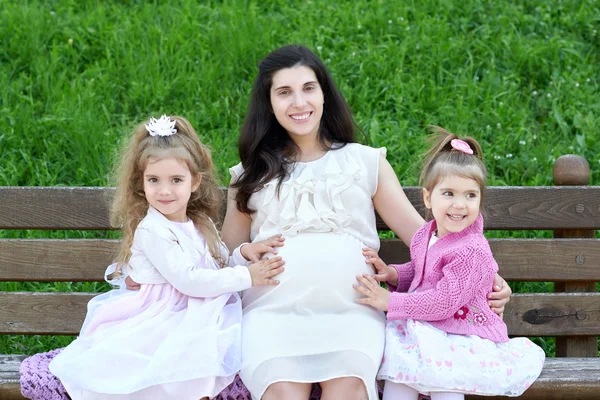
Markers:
point(178, 337)
point(310, 328)
point(429, 360)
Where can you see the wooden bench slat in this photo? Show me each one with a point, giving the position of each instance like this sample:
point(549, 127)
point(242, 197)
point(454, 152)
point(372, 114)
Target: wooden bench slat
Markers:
point(85, 260)
point(532, 260)
point(9, 376)
point(576, 376)
point(562, 378)
point(553, 314)
point(511, 207)
point(55, 207)
point(37, 313)
point(550, 314)
point(10, 391)
point(9, 367)
point(55, 260)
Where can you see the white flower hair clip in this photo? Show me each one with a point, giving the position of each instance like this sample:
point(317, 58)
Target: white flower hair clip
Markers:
point(161, 127)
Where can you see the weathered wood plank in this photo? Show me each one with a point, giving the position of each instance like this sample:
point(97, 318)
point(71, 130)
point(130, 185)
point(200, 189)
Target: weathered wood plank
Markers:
point(536, 260)
point(563, 378)
point(553, 314)
point(510, 207)
point(540, 314)
point(9, 376)
point(76, 260)
point(9, 367)
point(532, 207)
point(54, 207)
point(38, 313)
point(10, 391)
point(574, 346)
point(55, 260)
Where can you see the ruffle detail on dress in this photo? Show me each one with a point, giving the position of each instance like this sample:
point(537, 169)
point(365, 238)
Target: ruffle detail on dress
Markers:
point(311, 203)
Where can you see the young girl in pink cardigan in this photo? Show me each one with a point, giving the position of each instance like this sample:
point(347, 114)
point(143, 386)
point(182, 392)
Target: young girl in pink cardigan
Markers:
point(442, 339)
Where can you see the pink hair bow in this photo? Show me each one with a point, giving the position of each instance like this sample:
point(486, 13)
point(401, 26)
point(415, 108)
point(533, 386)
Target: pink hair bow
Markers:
point(461, 145)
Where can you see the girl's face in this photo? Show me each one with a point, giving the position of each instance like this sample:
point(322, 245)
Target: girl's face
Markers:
point(168, 185)
point(297, 101)
point(454, 202)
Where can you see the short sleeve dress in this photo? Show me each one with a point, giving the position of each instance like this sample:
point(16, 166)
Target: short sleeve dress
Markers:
point(310, 328)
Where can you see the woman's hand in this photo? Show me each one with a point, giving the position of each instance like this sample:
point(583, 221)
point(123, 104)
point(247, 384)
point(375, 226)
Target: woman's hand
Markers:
point(254, 251)
point(375, 296)
point(500, 296)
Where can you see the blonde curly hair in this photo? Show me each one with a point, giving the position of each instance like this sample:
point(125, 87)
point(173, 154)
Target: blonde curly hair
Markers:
point(129, 205)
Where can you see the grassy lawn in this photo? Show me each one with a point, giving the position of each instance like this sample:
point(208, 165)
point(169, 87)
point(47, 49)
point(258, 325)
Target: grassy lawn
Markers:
point(520, 76)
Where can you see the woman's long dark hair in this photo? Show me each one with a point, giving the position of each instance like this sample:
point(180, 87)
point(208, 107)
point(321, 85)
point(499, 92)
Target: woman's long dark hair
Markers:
point(265, 147)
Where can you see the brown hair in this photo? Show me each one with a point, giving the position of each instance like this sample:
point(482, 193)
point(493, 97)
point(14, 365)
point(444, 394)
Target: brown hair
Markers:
point(264, 146)
point(130, 206)
point(442, 160)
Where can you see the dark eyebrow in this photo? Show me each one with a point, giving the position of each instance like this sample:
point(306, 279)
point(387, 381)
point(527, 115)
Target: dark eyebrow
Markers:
point(288, 87)
point(454, 190)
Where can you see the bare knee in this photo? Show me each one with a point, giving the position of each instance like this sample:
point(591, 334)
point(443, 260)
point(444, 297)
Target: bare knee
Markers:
point(287, 391)
point(350, 388)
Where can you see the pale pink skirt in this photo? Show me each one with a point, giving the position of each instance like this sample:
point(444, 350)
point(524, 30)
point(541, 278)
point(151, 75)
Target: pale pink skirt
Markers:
point(156, 343)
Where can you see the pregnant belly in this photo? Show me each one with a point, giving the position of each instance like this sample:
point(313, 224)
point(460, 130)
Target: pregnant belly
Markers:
point(320, 269)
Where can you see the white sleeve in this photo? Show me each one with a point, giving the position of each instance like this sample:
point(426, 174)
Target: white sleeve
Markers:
point(116, 280)
point(373, 158)
point(235, 172)
point(177, 267)
point(237, 258)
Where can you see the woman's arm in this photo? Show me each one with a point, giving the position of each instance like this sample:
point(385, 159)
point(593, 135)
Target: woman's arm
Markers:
point(500, 295)
point(236, 226)
point(393, 206)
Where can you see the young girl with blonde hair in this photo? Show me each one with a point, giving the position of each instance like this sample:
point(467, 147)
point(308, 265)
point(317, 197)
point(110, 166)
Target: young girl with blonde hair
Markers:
point(442, 339)
point(179, 336)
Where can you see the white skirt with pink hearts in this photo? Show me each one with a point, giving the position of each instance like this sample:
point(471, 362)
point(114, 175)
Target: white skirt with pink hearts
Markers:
point(430, 360)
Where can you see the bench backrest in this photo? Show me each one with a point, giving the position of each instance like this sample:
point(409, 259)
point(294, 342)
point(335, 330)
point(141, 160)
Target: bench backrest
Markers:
point(568, 210)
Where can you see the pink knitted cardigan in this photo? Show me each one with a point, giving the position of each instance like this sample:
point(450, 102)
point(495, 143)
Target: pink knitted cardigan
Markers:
point(448, 283)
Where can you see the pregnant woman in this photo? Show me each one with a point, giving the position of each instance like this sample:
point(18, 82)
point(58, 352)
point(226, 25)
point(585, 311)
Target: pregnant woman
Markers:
point(303, 175)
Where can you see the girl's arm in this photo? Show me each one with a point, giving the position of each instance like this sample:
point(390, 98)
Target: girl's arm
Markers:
point(176, 265)
point(406, 273)
point(393, 206)
point(461, 280)
point(236, 226)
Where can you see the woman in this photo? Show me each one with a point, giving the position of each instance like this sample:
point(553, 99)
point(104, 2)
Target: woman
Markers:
point(303, 175)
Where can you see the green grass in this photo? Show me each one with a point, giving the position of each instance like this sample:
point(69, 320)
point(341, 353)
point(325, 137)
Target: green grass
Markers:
point(520, 76)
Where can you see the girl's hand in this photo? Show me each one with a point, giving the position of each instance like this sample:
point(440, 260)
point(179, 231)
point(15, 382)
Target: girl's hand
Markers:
point(262, 271)
point(384, 273)
point(500, 296)
point(375, 296)
point(131, 284)
point(254, 251)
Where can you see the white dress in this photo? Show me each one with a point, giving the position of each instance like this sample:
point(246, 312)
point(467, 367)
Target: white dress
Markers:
point(310, 328)
point(178, 337)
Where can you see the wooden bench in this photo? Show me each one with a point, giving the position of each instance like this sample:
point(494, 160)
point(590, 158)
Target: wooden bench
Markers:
point(571, 258)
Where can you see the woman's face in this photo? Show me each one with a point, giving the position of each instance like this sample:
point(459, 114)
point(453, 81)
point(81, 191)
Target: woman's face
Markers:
point(297, 101)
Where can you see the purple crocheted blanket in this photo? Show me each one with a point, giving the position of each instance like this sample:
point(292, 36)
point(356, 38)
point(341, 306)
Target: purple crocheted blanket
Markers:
point(38, 383)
